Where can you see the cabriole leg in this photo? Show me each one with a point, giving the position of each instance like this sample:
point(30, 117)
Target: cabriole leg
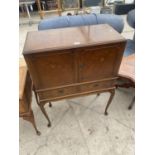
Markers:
point(42, 108)
point(112, 92)
point(45, 114)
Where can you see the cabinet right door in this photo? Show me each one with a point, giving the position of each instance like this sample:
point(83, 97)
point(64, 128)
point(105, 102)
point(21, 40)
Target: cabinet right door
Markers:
point(99, 62)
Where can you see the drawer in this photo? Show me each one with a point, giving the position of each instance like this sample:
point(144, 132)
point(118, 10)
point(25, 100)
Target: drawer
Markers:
point(76, 89)
point(95, 86)
point(54, 93)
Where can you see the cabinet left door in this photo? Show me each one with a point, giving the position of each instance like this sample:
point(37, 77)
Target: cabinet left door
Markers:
point(51, 69)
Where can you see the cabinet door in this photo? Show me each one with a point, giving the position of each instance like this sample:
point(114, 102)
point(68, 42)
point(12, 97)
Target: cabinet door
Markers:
point(100, 62)
point(51, 69)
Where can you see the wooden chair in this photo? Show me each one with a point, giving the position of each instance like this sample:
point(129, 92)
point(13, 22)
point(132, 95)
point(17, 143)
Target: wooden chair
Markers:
point(53, 6)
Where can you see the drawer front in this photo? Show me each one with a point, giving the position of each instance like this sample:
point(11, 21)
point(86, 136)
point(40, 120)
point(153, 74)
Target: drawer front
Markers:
point(97, 86)
point(76, 89)
point(50, 94)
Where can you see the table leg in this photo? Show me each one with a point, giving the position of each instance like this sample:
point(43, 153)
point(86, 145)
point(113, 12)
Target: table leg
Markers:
point(23, 10)
point(28, 13)
point(41, 12)
point(45, 114)
point(42, 108)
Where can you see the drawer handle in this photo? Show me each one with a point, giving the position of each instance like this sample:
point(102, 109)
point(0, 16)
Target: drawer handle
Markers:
point(61, 91)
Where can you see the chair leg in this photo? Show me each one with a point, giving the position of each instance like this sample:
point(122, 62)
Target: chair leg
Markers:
point(132, 103)
point(32, 120)
point(43, 109)
point(112, 93)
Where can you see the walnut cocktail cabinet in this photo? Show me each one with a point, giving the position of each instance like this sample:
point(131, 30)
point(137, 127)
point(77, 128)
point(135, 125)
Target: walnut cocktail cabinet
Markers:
point(70, 62)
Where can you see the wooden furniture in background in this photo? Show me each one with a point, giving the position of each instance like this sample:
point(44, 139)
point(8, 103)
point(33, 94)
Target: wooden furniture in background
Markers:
point(127, 68)
point(70, 62)
point(127, 71)
point(73, 5)
point(25, 4)
point(25, 95)
point(91, 3)
point(43, 10)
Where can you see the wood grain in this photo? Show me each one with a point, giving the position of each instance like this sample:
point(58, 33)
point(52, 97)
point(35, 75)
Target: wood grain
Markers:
point(72, 62)
point(68, 38)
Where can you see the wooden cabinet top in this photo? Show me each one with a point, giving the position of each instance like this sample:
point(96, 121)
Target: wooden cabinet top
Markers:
point(72, 37)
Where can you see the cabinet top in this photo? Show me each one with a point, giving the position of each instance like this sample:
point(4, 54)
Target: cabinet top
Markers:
point(72, 37)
